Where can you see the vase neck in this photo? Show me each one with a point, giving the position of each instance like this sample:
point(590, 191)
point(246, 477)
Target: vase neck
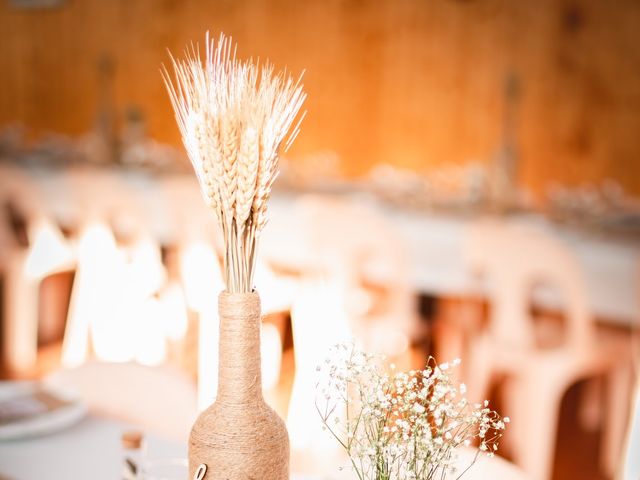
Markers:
point(240, 380)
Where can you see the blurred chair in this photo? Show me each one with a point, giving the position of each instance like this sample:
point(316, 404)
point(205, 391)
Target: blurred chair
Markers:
point(538, 361)
point(356, 250)
point(26, 261)
point(159, 399)
point(354, 283)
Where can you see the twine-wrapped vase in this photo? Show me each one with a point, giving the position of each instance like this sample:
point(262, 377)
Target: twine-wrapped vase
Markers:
point(239, 437)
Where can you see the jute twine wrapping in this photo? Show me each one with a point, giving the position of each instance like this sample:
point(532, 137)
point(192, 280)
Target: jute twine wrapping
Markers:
point(239, 437)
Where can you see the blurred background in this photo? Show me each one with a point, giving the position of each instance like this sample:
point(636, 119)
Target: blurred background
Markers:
point(466, 184)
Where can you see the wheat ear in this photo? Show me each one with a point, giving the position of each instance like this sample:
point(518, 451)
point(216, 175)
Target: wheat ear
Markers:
point(234, 117)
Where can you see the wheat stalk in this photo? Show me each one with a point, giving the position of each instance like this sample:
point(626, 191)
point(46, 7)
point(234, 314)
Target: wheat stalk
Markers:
point(234, 117)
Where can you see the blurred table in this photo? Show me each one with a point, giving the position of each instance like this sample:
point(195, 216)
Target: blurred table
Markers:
point(435, 250)
point(92, 450)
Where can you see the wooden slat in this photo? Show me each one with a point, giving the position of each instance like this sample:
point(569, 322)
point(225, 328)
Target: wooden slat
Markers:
point(416, 83)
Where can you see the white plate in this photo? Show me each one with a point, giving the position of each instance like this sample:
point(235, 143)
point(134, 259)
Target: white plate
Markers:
point(44, 422)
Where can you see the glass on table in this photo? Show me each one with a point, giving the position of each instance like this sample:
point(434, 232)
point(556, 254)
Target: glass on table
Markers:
point(165, 469)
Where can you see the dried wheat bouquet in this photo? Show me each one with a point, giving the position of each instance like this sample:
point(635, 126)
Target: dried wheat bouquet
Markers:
point(234, 117)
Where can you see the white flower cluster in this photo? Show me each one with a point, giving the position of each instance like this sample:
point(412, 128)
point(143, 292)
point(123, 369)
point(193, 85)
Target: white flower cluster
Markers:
point(400, 425)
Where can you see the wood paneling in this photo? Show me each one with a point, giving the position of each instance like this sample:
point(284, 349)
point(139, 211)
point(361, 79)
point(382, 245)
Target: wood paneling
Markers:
point(417, 83)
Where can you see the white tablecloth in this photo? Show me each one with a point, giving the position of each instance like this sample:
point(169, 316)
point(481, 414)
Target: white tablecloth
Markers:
point(92, 450)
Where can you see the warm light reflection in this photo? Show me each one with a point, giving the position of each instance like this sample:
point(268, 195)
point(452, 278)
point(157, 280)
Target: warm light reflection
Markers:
point(201, 279)
point(49, 251)
point(276, 293)
point(113, 301)
point(145, 271)
point(151, 345)
point(271, 355)
point(201, 276)
point(208, 338)
point(318, 322)
point(173, 311)
point(92, 298)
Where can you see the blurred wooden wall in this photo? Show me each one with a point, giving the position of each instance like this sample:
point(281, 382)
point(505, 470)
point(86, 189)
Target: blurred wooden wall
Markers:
point(417, 83)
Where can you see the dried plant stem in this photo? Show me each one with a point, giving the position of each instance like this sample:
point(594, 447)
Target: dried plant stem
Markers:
point(234, 117)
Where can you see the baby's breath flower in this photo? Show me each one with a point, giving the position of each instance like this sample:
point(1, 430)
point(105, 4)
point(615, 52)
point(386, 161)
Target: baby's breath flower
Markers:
point(400, 425)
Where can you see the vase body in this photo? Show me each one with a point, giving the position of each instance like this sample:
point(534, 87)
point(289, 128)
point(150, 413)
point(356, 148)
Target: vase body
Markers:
point(239, 437)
